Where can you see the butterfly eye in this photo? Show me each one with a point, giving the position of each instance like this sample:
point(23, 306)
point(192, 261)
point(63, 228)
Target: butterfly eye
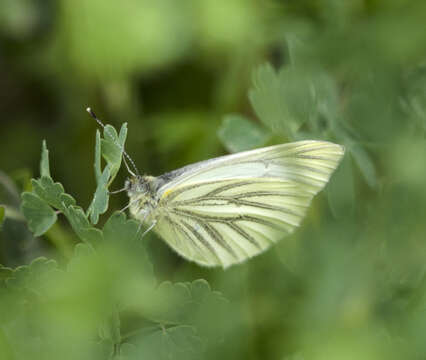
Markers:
point(127, 184)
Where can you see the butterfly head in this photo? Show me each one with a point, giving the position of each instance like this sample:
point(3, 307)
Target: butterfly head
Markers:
point(140, 190)
point(139, 185)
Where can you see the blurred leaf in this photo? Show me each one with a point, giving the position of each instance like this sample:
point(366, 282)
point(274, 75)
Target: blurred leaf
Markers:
point(373, 107)
point(414, 101)
point(286, 100)
point(2, 215)
point(174, 343)
point(341, 190)
point(124, 234)
point(110, 329)
point(325, 96)
point(191, 304)
point(238, 133)
point(81, 251)
point(226, 24)
point(5, 273)
point(156, 34)
point(5, 348)
point(118, 228)
point(185, 136)
point(44, 163)
point(33, 276)
point(23, 287)
point(39, 215)
point(364, 163)
point(9, 193)
point(266, 99)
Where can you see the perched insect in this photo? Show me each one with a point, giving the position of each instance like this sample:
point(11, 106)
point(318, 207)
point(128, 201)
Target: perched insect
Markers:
point(225, 210)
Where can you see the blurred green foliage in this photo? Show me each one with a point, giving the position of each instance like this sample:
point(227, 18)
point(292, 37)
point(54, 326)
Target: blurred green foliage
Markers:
point(349, 284)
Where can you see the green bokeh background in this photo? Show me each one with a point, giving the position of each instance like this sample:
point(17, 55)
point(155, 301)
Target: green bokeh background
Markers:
point(190, 79)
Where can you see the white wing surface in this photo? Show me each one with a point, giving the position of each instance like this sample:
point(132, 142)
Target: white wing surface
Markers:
point(223, 211)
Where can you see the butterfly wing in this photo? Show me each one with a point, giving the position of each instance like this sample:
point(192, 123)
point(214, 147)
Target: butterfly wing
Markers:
point(226, 210)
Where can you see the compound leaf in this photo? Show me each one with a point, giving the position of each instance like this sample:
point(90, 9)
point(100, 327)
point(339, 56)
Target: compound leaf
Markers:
point(238, 133)
point(174, 343)
point(39, 214)
point(52, 193)
point(124, 234)
point(80, 224)
point(112, 146)
point(190, 304)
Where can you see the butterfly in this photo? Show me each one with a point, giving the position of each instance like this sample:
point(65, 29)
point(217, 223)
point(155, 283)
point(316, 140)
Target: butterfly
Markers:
point(225, 210)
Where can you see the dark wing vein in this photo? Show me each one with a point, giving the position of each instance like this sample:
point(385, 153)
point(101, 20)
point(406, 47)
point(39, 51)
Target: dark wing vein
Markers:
point(201, 239)
point(236, 201)
point(245, 235)
point(202, 218)
point(217, 237)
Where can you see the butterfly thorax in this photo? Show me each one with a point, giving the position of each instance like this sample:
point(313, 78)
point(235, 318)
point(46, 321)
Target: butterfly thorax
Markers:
point(142, 192)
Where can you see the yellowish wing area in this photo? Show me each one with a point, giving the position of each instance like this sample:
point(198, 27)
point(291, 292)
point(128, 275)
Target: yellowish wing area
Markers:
point(236, 207)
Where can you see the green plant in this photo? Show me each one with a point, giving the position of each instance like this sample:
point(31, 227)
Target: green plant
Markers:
point(332, 287)
point(109, 276)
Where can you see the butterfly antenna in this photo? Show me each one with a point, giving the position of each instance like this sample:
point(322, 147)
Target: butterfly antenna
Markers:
point(126, 155)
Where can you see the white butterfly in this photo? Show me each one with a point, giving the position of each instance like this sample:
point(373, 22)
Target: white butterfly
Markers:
point(225, 210)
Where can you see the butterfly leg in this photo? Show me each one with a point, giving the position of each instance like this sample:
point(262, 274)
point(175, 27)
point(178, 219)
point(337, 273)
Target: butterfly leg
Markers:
point(149, 229)
point(117, 191)
point(129, 204)
point(141, 223)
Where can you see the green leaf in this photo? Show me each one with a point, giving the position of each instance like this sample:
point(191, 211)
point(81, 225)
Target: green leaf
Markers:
point(99, 203)
point(40, 216)
point(22, 288)
point(290, 99)
point(81, 251)
point(341, 190)
point(266, 100)
point(2, 215)
point(324, 92)
point(110, 329)
point(365, 164)
point(125, 234)
point(80, 224)
point(112, 148)
point(191, 304)
point(5, 273)
point(415, 102)
point(174, 343)
point(33, 276)
point(97, 164)
point(238, 133)
point(52, 193)
point(44, 163)
point(118, 228)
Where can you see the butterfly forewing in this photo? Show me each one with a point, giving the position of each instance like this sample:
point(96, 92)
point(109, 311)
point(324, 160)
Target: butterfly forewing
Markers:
point(226, 210)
